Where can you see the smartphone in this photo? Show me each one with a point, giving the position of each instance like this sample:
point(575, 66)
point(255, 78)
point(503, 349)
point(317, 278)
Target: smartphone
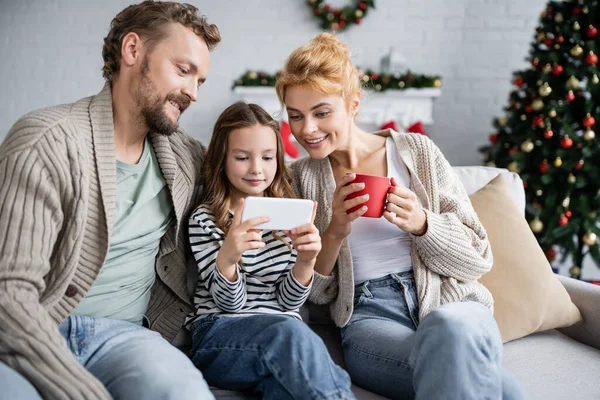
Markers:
point(284, 214)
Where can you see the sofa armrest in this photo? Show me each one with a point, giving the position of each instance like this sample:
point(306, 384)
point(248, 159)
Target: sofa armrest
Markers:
point(587, 298)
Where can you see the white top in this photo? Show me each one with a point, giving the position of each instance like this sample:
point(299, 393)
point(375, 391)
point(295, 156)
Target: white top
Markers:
point(378, 247)
point(265, 284)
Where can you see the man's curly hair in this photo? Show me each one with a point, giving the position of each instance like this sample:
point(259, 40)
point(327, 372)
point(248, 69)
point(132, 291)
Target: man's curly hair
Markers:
point(149, 19)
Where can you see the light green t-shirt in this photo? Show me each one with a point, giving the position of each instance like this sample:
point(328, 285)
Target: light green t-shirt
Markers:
point(144, 211)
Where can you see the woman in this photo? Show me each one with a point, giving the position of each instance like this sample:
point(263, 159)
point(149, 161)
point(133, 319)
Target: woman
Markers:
point(403, 288)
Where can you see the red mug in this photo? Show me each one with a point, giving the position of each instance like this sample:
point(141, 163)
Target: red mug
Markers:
point(377, 188)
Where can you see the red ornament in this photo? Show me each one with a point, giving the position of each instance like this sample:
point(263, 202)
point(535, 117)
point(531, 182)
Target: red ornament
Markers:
point(566, 142)
point(357, 21)
point(576, 10)
point(560, 39)
point(524, 185)
point(591, 59)
point(342, 24)
point(550, 254)
point(537, 121)
point(543, 167)
point(557, 70)
point(336, 12)
point(494, 137)
point(327, 7)
point(568, 213)
point(588, 121)
point(518, 81)
point(548, 42)
point(528, 108)
point(374, 76)
point(362, 6)
point(548, 134)
point(535, 62)
point(317, 12)
point(562, 221)
point(592, 31)
point(286, 136)
point(579, 165)
point(570, 96)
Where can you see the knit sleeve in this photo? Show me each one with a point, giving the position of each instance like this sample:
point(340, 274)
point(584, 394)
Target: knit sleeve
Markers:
point(34, 188)
point(291, 294)
point(455, 244)
point(206, 241)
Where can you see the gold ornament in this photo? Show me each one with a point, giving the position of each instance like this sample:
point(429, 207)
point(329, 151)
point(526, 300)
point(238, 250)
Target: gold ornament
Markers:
point(592, 215)
point(545, 90)
point(558, 18)
point(589, 134)
point(523, 117)
point(358, 13)
point(557, 162)
point(330, 16)
point(576, 26)
point(437, 83)
point(539, 82)
point(527, 146)
point(503, 121)
point(335, 26)
point(590, 238)
point(491, 164)
point(552, 113)
point(539, 192)
point(571, 179)
point(595, 79)
point(566, 202)
point(576, 51)
point(575, 271)
point(536, 225)
point(513, 167)
point(585, 10)
point(573, 82)
point(541, 37)
point(547, 68)
point(537, 104)
point(252, 75)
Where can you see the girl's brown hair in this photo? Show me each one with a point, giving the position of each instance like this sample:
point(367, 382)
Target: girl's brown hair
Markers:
point(324, 65)
point(217, 188)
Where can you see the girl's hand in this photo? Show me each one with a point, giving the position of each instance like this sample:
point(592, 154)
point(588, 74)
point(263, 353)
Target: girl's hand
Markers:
point(241, 237)
point(306, 240)
point(410, 217)
point(341, 222)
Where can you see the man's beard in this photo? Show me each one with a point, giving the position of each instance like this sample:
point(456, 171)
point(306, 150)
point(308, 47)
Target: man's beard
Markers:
point(152, 106)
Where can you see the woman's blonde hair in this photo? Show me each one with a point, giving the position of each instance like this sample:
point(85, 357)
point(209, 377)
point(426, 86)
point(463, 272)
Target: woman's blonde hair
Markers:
point(217, 188)
point(324, 65)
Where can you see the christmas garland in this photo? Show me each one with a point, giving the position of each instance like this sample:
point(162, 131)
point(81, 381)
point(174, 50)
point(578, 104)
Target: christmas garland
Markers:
point(370, 80)
point(339, 19)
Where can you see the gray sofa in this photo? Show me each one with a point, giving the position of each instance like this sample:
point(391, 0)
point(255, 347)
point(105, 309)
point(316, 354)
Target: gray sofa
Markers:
point(553, 365)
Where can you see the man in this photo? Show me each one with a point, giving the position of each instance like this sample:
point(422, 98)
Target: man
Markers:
point(94, 198)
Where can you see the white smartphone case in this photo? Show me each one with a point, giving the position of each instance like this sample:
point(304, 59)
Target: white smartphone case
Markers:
point(284, 214)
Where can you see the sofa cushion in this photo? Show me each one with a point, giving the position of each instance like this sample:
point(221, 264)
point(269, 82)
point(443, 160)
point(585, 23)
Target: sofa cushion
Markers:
point(550, 365)
point(528, 297)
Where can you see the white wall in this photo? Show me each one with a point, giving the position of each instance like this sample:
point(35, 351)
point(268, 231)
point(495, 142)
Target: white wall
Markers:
point(50, 52)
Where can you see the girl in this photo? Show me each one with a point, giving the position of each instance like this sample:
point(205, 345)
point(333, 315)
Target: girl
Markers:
point(247, 332)
point(403, 288)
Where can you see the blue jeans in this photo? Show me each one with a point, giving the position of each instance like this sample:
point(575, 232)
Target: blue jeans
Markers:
point(131, 361)
point(454, 353)
point(275, 355)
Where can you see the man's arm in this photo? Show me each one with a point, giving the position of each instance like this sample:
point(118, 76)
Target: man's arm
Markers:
point(33, 192)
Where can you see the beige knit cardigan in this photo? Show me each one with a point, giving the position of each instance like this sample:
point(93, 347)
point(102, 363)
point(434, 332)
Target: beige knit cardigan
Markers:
point(447, 260)
point(57, 209)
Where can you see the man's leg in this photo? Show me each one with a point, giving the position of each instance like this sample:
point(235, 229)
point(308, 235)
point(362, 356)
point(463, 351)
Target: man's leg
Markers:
point(133, 362)
point(276, 355)
point(14, 386)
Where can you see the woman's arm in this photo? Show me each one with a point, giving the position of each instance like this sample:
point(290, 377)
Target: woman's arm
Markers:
point(455, 243)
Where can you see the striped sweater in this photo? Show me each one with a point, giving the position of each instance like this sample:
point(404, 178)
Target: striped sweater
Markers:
point(265, 284)
point(57, 209)
point(447, 260)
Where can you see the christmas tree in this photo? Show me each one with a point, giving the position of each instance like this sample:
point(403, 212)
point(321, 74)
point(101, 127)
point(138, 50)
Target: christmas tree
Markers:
point(547, 133)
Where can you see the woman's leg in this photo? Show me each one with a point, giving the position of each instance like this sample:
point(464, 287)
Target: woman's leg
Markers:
point(276, 355)
point(457, 354)
point(378, 340)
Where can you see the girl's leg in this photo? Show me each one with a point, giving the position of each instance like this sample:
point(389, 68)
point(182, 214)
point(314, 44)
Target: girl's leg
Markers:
point(457, 354)
point(276, 355)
